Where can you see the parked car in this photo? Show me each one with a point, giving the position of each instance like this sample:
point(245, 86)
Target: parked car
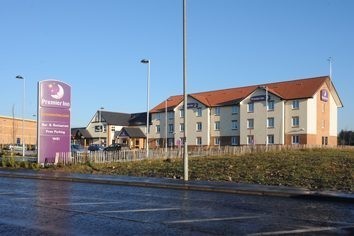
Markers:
point(76, 148)
point(95, 147)
point(113, 147)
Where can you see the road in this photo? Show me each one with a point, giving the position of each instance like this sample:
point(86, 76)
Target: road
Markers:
point(43, 207)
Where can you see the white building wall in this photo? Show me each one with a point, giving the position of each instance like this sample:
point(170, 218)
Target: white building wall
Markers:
point(301, 113)
point(260, 116)
point(333, 126)
point(311, 127)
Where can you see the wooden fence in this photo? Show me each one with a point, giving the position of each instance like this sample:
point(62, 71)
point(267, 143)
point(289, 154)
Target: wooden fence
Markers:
point(135, 155)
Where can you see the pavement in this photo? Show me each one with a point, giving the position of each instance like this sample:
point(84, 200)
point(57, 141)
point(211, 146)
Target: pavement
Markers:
point(206, 186)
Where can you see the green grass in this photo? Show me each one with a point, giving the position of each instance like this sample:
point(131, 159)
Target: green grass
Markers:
point(315, 169)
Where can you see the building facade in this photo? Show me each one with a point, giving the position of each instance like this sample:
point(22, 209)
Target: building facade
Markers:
point(291, 112)
point(11, 131)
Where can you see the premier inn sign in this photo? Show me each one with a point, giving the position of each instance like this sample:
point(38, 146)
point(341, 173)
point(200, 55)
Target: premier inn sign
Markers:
point(54, 136)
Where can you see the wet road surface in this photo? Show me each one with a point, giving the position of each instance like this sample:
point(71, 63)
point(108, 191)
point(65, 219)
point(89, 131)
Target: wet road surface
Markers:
point(42, 207)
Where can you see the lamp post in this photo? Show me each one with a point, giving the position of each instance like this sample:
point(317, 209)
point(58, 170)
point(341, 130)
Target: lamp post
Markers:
point(23, 114)
point(185, 152)
point(145, 61)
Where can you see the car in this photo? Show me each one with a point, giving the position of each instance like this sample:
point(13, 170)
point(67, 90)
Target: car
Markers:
point(76, 148)
point(95, 147)
point(113, 147)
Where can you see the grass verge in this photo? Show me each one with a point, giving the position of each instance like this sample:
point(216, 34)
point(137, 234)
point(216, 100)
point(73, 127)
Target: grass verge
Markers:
point(315, 169)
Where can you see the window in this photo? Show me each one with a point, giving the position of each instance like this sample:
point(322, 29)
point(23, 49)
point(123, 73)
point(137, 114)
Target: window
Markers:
point(199, 111)
point(295, 121)
point(181, 113)
point(158, 116)
point(234, 140)
point(170, 115)
point(295, 139)
point(250, 123)
point(98, 128)
point(295, 104)
point(270, 139)
point(170, 142)
point(270, 106)
point(199, 126)
point(235, 109)
point(158, 129)
point(270, 122)
point(217, 111)
point(234, 124)
point(113, 128)
point(217, 125)
point(199, 141)
point(250, 107)
point(324, 140)
point(170, 128)
point(104, 128)
point(217, 141)
point(250, 139)
point(181, 127)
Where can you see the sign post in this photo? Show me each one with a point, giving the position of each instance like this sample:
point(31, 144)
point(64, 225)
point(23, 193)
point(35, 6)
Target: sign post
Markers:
point(53, 124)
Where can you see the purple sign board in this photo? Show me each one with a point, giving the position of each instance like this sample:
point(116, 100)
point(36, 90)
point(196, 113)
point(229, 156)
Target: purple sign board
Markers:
point(324, 95)
point(54, 136)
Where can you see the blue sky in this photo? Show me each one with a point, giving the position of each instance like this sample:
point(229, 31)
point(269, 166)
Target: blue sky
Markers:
point(96, 47)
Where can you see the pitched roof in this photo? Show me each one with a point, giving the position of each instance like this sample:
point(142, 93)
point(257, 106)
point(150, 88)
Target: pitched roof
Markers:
point(80, 133)
point(115, 118)
point(287, 90)
point(130, 132)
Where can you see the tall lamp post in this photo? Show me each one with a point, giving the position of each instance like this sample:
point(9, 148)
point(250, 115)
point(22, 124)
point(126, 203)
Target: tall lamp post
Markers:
point(146, 61)
point(185, 152)
point(23, 114)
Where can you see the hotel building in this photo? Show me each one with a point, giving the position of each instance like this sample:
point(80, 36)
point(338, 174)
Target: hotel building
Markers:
point(300, 111)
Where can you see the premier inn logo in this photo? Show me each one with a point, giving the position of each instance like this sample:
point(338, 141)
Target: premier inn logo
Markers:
point(324, 95)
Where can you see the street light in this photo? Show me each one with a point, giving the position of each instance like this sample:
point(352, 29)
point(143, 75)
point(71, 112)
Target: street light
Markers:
point(145, 61)
point(23, 115)
point(185, 152)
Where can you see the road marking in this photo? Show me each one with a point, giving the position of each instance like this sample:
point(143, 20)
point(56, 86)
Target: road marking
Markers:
point(86, 203)
point(141, 210)
point(297, 231)
point(211, 219)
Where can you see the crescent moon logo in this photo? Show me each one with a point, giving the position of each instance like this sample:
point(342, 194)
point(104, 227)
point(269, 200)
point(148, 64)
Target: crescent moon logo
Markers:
point(59, 94)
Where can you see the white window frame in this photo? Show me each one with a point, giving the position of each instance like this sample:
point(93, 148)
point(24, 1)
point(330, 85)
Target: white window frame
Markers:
point(217, 111)
point(249, 122)
point(217, 141)
point(250, 107)
point(235, 109)
point(270, 105)
point(199, 112)
point(295, 139)
point(295, 104)
point(199, 126)
point(270, 139)
point(234, 124)
point(250, 139)
point(198, 141)
point(158, 129)
point(181, 113)
point(270, 122)
point(295, 121)
point(170, 128)
point(181, 127)
point(234, 141)
point(217, 125)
